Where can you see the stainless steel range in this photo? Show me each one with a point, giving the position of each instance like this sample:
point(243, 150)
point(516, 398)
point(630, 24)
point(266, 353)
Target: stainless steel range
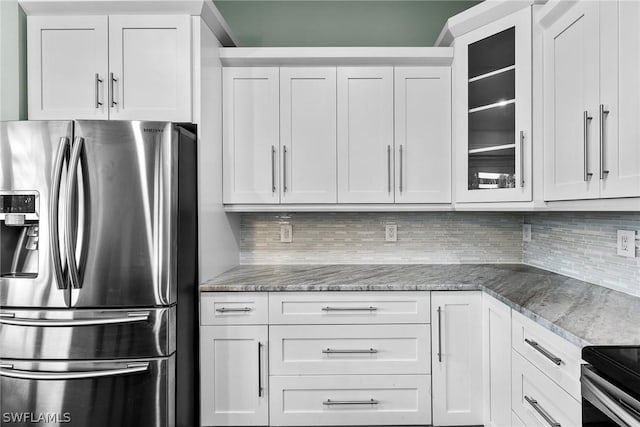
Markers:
point(98, 274)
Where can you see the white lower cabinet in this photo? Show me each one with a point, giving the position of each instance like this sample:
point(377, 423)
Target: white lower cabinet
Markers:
point(350, 400)
point(234, 375)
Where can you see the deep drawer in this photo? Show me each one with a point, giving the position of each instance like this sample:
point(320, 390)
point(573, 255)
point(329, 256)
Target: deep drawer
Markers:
point(234, 308)
point(349, 349)
point(350, 400)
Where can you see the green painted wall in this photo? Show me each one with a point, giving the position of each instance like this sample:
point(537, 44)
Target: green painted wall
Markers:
point(13, 61)
point(339, 23)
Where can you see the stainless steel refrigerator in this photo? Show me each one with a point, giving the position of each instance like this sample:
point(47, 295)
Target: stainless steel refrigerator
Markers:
point(98, 274)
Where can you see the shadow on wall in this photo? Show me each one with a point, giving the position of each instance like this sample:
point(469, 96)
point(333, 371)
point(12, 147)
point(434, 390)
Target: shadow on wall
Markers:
point(13, 61)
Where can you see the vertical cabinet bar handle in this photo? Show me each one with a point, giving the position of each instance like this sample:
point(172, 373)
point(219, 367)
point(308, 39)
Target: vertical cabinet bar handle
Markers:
point(112, 80)
point(284, 169)
point(439, 334)
point(522, 159)
point(273, 169)
point(401, 168)
point(98, 81)
point(389, 168)
point(585, 123)
point(603, 113)
point(260, 389)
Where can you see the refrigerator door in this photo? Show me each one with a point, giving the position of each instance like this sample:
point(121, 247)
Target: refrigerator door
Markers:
point(33, 162)
point(125, 393)
point(123, 195)
point(87, 334)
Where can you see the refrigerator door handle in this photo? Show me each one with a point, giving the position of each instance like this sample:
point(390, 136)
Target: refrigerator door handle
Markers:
point(131, 368)
point(133, 317)
point(72, 182)
point(54, 235)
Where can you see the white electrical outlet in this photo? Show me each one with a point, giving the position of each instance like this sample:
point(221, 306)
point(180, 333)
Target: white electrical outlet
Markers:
point(526, 232)
point(627, 243)
point(286, 233)
point(391, 233)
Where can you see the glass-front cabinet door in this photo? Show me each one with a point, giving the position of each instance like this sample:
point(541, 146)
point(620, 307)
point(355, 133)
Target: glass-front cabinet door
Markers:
point(493, 115)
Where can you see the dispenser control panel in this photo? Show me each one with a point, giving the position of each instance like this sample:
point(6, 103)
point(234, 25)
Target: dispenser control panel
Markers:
point(18, 203)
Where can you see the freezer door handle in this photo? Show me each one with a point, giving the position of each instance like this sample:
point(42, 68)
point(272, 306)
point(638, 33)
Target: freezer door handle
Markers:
point(54, 235)
point(72, 183)
point(133, 317)
point(131, 368)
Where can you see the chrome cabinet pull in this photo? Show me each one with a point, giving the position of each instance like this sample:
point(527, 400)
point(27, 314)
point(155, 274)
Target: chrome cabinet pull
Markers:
point(132, 317)
point(273, 169)
point(439, 334)
point(389, 168)
point(260, 388)
point(522, 159)
point(585, 122)
point(284, 169)
point(112, 80)
point(540, 410)
point(400, 168)
point(231, 309)
point(54, 235)
point(74, 274)
point(330, 402)
point(603, 113)
point(370, 308)
point(98, 81)
point(367, 351)
point(132, 368)
point(546, 353)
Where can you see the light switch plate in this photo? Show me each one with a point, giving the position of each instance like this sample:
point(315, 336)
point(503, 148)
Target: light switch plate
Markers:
point(286, 233)
point(526, 232)
point(390, 233)
point(626, 243)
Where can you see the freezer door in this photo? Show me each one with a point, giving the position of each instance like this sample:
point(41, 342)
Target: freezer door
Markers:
point(123, 178)
point(87, 334)
point(33, 158)
point(128, 393)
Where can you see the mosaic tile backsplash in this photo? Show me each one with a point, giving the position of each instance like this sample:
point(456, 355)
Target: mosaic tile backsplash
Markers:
point(583, 246)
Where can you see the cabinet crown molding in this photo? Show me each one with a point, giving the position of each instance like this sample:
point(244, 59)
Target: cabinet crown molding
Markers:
point(203, 8)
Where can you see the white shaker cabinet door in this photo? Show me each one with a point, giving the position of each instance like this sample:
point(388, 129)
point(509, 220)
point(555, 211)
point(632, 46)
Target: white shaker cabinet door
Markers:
point(365, 135)
point(150, 68)
point(422, 135)
point(251, 136)
point(571, 122)
point(456, 358)
point(308, 135)
point(619, 99)
point(67, 67)
point(234, 375)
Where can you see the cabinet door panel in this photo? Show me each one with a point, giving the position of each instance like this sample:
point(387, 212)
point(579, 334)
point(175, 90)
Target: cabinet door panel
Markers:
point(150, 58)
point(65, 55)
point(571, 88)
point(620, 95)
point(423, 134)
point(365, 135)
point(457, 373)
point(251, 135)
point(308, 135)
point(233, 368)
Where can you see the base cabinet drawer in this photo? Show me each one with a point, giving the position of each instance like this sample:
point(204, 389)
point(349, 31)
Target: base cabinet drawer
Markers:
point(350, 400)
point(349, 349)
point(234, 308)
point(538, 401)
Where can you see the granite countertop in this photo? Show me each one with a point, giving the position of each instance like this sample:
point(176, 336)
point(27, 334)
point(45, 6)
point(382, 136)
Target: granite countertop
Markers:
point(580, 312)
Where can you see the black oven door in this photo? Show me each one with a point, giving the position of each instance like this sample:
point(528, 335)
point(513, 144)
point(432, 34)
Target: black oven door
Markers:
point(605, 404)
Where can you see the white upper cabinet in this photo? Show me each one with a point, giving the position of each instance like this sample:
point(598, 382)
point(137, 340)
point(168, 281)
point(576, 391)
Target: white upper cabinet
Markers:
point(492, 111)
point(68, 67)
point(308, 135)
point(620, 98)
point(117, 67)
point(365, 135)
point(251, 137)
point(150, 73)
point(422, 135)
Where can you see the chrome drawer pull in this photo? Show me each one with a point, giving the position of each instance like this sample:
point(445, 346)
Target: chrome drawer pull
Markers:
point(132, 317)
point(370, 308)
point(330, 402)
point(546, 353)
point(132, 368)
point(230, 310)
point(544, 414)
point(367, 351)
